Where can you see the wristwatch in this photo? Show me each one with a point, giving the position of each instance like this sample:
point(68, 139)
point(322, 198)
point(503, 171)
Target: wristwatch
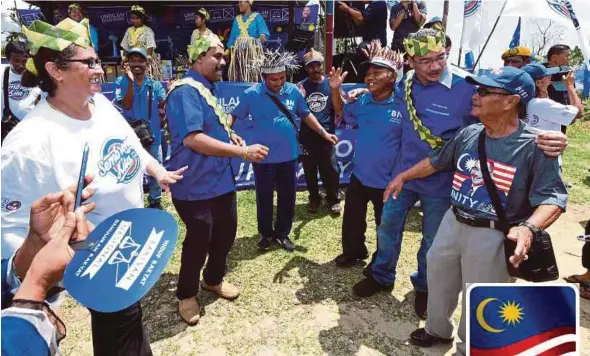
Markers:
point(534, 229)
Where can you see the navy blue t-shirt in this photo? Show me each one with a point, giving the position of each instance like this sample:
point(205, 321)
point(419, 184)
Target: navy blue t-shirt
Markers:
point(375, 22)
point(319, 100)
point(408, 24)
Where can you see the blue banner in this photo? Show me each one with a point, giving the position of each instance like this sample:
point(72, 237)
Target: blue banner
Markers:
point(173, 26)
point(229, 95)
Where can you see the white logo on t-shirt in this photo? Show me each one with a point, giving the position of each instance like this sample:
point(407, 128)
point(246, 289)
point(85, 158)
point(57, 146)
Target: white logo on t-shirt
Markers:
point(317, 101)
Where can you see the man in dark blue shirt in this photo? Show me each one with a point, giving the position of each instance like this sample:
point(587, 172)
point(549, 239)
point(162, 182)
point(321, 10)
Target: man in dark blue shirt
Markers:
point(319, 154)
point(206, 200)
point(373, 20)
point(406, 17)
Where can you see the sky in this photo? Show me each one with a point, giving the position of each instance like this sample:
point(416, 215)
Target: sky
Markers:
point(498, 42)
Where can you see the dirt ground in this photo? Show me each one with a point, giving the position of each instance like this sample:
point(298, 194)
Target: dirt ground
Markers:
point(306, 307)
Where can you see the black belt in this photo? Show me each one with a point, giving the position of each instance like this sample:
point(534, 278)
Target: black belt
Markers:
point(466, 219)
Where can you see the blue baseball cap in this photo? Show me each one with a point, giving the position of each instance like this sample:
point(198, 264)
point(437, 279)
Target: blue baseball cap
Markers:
point(138, 50)
point(513, 80)
point(537, 70)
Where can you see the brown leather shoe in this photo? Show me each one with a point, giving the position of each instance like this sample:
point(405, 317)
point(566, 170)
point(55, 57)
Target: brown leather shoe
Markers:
point(225, 290)
point(189, 310)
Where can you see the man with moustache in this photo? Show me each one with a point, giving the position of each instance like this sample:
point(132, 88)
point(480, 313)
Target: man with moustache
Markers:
point(376, 114)
point(517, 57)
point(319, 154)
point(275, 107)
point(201, 138)
point(141, 97)
point(436, 106)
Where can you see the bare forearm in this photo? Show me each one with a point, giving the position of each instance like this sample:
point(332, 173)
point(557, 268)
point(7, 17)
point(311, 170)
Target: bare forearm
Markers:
point(154, 168)
point(418, 17)
point(356, 15)
point(394, 23)
point(313, 124)
point(337, 102)
point(231, 119)
point(545, 215)
point(574, 99)
point(422, 169)
point(127, 101)
point(206, 145)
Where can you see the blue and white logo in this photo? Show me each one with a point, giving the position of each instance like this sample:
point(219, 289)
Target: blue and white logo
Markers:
point(17, 92)
point(559, 6)
point(471, 7)
point(10, 206)
point(124, 257)
point(119, 159)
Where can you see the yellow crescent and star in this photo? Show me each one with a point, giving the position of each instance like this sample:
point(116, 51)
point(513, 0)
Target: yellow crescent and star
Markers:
point(510, 312)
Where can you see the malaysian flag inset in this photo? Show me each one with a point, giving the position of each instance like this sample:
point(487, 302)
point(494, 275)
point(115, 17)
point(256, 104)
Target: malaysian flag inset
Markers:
point(502, 174)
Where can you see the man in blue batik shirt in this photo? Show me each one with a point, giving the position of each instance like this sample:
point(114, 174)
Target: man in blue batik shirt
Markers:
point(277, 130)
point(206, 200)
point(439, 106)
point(141, 97)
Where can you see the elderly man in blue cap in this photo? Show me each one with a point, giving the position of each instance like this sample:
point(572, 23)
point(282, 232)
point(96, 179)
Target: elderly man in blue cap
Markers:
point(469, 245)
point(141, 97)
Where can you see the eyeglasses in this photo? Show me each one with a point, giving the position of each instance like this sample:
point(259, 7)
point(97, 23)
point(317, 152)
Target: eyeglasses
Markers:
point(91, 62)
point(483, 91)
point(428, 62)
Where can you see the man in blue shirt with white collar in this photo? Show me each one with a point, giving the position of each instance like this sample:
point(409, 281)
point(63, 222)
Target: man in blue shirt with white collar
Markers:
point(275, 107)
point(437, 104)
point(376, 114)
point(206, 200)
point(140, 97)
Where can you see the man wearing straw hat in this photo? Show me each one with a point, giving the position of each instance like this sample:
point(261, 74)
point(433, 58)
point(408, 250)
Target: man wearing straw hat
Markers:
point(206, 202)
point(275, 107)
point(319, 154)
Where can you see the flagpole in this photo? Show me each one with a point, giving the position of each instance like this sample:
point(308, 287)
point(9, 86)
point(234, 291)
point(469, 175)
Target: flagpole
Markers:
point(491, 33)
point(461, 42)
point(329, 39)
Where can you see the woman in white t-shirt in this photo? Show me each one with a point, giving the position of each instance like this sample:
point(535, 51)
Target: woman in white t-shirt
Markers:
point(544, 113)
point(43, 154)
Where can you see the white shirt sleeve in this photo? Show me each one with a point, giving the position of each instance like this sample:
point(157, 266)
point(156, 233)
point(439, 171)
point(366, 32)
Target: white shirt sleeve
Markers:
point(24, 180)
point(554, 112)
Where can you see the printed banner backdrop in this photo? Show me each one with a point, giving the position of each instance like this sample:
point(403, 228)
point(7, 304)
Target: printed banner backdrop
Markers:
point(229, 95)
point(173, 26)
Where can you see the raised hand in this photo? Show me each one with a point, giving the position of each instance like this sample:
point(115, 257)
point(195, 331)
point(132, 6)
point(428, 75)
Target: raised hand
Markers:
point(337, 78)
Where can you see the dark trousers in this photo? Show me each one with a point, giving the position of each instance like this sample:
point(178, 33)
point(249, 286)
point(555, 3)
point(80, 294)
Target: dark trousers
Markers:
point(281, 176)
point(120, 333)
point(354, 221)
point(321, 156)
point(211, 227)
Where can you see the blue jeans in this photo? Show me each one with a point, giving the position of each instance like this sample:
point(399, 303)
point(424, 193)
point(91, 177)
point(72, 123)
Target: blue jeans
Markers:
point(155, 193)
point(389, 235)
point(282, 176)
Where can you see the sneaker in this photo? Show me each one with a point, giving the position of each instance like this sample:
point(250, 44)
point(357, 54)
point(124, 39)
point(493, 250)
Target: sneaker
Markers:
point(224, 289)
point(155, 205)
point(286, 243)
point(313, 206)
point(369, 286)
point(264, 243)
point(349, 261)
point(189, 310)
point(335, 209)
point(420, 337)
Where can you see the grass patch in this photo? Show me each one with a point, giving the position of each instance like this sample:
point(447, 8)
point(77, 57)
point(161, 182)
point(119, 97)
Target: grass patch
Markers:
point(299, 303)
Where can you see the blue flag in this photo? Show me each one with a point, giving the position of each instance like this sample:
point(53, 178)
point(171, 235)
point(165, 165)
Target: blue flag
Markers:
point(516, 36)
point(510, 319)
point(469, 61)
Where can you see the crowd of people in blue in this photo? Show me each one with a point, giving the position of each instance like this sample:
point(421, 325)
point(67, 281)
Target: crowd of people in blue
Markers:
point(424, 128)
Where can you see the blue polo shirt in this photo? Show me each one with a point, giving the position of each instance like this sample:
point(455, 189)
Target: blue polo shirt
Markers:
point(207, 176)
point(139, 109)
point(271, 127)
point(444, 107)
point(378, 138)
